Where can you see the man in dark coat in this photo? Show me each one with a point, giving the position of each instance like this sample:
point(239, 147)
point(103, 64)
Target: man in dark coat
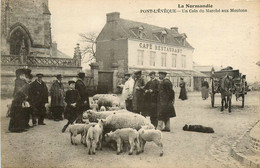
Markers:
point(83, 104)
point(150, 99)
point(165, 106)
point(138, 93)
point(57, 98)
point(39, 97)
point(183, 93)
point(72, 99)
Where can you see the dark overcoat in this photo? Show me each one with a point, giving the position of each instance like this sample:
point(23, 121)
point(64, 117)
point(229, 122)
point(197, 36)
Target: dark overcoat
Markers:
point(18, 84)
point(72, 96)
point(84, 97)
point(38, 93)
point(183, 93)
point(138, 95)
point(57, 94)
point(166, 98)
point(150, 98)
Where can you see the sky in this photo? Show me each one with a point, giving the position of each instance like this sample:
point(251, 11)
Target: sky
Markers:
point(219, 39)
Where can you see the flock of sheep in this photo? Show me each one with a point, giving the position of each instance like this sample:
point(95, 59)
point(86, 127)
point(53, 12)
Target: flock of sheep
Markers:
point(115, 125)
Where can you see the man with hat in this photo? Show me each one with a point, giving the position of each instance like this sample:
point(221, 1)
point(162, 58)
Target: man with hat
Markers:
point(150, 98)
point(83, 104)
point(57, 98)
point(72, 99)
point(127, 92)
point(138, 92)
point(39, 97)
point(165, 106)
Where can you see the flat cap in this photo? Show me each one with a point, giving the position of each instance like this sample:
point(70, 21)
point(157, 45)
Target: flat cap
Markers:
point(137, 72)
point(152, 73)
point(81, 74)
point(58, 76)
point(127, 74)
point(39, 75)
point(71, 81)
point(163, 72)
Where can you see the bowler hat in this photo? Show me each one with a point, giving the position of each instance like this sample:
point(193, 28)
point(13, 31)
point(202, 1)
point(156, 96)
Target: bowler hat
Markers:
point(163, 72)
point(71, 81)
point(152, 73)
point(58, 76)
point(81, 74)
point(39, 75)
point(138, 72)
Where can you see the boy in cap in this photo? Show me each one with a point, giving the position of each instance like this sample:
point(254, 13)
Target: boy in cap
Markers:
point(138, 92)
point(57, 98)
point(166, 97)
point(72, 98)
point(39, 97)
point(150, 99)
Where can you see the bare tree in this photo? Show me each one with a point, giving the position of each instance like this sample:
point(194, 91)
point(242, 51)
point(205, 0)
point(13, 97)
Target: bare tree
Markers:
point(89, 46)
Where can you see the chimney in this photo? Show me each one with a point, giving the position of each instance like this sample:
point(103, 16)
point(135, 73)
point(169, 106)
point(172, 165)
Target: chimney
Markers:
point(114, 16)
point(175, 29)
point(54, 49)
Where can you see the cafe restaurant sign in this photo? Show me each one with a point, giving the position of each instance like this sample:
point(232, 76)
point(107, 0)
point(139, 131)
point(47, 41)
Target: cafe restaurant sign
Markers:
point(159, 47)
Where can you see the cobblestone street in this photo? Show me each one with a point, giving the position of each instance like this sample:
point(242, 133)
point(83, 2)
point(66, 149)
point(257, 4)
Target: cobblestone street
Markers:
point(46, 146)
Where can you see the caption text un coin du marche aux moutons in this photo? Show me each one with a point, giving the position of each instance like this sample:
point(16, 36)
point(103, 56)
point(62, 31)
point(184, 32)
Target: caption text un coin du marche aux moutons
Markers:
point(189, 8)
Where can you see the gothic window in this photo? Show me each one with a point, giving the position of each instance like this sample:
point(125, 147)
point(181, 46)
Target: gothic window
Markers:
point(19, 42)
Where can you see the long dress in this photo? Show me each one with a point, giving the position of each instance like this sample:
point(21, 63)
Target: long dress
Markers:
point(183, 93)
point(17, 112)
point(205, 90)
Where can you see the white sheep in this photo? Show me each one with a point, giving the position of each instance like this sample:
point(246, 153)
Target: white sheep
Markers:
point(97, 96)
point(108, 101)
point(124, 135)
point(74, 131)
point(86, 128)
point(93, 116)
point(149, 134)
point(94, 137)
point(103, 108)
point(94, 106)
point(125, 120)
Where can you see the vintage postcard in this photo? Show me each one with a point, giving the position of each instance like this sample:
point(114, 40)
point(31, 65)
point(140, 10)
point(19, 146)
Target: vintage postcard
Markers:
point(126, 84)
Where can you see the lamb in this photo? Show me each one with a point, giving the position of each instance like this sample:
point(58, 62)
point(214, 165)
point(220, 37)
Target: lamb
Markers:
point(94, 137)
point(103, 108)
point(149, 134)
point(74, 131)
point(124, 135)
point(94, 106)
point(86, 128)
point(108, 101)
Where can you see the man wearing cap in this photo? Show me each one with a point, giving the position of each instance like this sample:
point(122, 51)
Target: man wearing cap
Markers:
point(72, 99)
point(84, 98)
point(138, 93)
point(165, 106)
point(57, 98)
point(150, 99)
point(127, 92)
point(39, 97)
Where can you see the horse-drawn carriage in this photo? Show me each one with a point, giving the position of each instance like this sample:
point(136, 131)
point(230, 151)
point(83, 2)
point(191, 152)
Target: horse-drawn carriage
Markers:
point(228, 82)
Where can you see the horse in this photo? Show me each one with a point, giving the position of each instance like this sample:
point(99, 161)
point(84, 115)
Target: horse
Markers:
point(226, 86)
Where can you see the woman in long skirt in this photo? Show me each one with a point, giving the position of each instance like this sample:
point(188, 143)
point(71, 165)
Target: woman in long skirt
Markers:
point(183, 93)
point(205, 90)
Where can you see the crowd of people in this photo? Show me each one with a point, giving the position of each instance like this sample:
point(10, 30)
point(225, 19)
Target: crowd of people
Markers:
point(154, 98)
point(30, 99)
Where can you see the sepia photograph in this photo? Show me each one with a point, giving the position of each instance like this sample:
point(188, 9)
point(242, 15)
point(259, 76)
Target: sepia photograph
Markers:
point(130, 84)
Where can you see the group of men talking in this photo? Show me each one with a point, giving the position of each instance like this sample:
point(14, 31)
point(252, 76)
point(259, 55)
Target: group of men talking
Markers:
point(154, 98)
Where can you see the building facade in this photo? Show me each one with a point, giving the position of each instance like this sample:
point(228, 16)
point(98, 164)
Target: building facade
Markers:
point(26, 42)
point(132, 46)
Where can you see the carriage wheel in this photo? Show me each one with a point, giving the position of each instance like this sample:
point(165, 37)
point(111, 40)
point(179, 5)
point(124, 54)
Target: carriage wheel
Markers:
point(212, 99)
point(243, 101)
